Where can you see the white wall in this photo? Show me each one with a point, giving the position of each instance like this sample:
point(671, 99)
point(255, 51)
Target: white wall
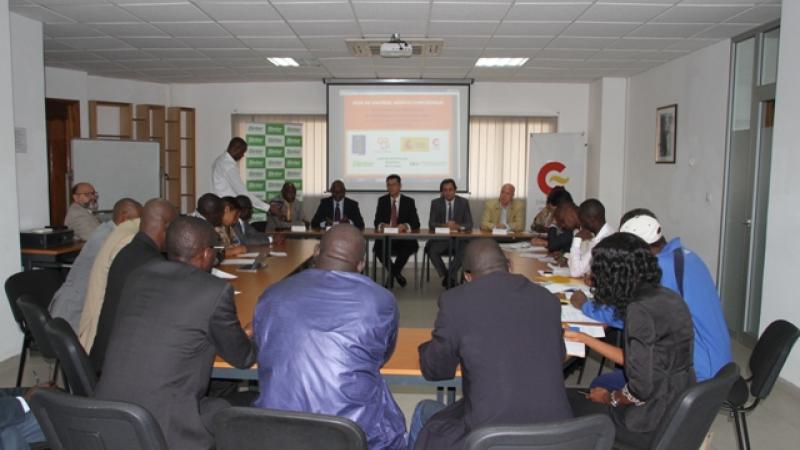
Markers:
point(687, 195)
point(779, 296)
point(606, 151)
point(27, 65)
point(10, 337)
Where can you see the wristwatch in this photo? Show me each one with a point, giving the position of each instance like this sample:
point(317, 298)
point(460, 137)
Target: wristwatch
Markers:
point(613, 401)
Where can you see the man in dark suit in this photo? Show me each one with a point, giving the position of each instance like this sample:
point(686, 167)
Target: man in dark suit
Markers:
point(396, 210)
point(245, 232)
point(147, 245)
point(505, 332)
point(451, 211)
point(173, 318)
point(337, 209)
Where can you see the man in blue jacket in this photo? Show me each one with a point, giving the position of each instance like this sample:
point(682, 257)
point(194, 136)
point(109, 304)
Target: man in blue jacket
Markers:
point(685, 273)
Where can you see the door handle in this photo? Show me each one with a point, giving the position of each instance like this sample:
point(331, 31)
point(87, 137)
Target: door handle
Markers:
point(748, 223)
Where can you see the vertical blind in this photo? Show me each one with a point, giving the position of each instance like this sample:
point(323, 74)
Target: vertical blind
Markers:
point(498, 149)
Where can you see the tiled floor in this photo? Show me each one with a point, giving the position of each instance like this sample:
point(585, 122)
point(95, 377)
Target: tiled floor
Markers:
point(775, 424)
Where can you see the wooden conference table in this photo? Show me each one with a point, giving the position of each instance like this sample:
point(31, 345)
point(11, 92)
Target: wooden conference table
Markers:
point(56, 257)
point(403, 367)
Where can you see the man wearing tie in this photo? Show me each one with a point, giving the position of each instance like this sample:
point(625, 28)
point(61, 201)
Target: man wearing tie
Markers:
point(397, 210)
point(337, 209)
point(451, 211)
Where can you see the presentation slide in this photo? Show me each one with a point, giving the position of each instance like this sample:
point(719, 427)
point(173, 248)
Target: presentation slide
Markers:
point(416, 131)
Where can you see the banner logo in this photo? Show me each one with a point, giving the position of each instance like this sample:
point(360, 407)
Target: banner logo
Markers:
point(546, 181)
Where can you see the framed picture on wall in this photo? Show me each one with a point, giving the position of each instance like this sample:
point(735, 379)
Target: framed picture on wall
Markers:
point(666, 133)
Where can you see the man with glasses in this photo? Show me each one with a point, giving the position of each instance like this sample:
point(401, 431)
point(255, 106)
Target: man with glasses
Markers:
point(80, 215)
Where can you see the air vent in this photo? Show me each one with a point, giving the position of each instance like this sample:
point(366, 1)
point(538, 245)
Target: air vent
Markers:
point(372, 47)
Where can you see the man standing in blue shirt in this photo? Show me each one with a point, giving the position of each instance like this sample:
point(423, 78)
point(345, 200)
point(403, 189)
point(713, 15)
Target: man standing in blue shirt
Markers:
point(685, 273)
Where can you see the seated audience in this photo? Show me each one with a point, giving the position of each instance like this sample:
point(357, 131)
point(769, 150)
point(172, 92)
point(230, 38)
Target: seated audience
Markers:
point(506, 212)
point(227, 236)
point(323, 335)
point(545, 219)
point(505, 333)
point(286, 210)
point(396, 210)
point(559, 237)
point(146, 246)
point(657, 352)
point(450, 211)
point(593, 229)
point(18, 426)
point(210, 208)
point(81, 213)
point(68, 300)
point(685, 273)
point(245, 232)
point(337, 209)
point(173, 319)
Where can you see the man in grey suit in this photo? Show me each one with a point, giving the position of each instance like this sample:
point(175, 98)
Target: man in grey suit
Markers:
point(451, 211)
point(172, 319)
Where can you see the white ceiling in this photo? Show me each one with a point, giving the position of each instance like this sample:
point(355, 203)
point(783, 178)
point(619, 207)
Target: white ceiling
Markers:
point(173, 41)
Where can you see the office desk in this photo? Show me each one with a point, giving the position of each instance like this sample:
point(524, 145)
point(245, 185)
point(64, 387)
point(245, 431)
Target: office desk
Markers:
point(56, 257)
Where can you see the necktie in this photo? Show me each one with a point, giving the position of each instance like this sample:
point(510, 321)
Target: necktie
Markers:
point(449, 211)
point(288, 212)
point(337, 213)
point(393, 220)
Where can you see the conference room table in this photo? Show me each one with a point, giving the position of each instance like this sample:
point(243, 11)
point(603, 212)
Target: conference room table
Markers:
point(52, 258)
point(403, 366)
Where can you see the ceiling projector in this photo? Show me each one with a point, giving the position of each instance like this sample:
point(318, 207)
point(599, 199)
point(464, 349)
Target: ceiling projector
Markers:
point(396, 48)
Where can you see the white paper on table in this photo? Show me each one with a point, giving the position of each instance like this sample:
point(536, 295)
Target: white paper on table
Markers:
point(224, 275)
point(391, 230)
point(271, 253)
point(249, 255)
point(540, 257)
point(595, 331)
point(298, 228)
point(237, 261)
point(441, 230)
point(500, 231)
point(514, 245)
point(575, 348)
point(571, 314)
point(556, 288)
point(532, 249)
point(560, 271)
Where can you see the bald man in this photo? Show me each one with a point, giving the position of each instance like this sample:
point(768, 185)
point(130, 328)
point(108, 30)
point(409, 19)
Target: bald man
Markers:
point(69, 299)
point(80, 215)
point(504, 213)
point(147, 245)
point(505, 332)
point(174, 317)
point(323, 335)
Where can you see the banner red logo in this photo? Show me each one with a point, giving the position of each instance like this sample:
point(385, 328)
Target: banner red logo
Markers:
point(547, 183)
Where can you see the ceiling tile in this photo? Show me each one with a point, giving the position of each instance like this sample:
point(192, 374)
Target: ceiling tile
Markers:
point(346, 62)
point(469, 11)
point(204, 42)
point(465, 41)
point(724, 31)
point(52, 44)
point(557, 63)
point(95, 43)
point(123, 55)
point(189, 29)
point(176, 53)
point(643, 43)
point(510, 52)
point(503, 42)
point(221, 53)
point(450, 28)
point(461, 52)
point(565, 53)
point(221, 11)
point(40, 14)
point(450, 62)
point(273, 42)
point(148, 64)
point(136, 29)
point(518, 28)
point(167, 12)
point(59, 30)
point(668, 30)
point(580, 43)
point(95, 13)
point(101, 65)
point(350, 73)
point(284, 52)
point(315, 53)
point(546, 12)
point(261, 28)
point(759, 15)
point(700, 13)
point(393, 10)
point(626, 54)
point(71, 56)
point(326, 28)
point(325, 43)
point(154, 42)
point(692, 44)
point(315, 11)
point(622, 12)
point(384, 28)
point(599, 29)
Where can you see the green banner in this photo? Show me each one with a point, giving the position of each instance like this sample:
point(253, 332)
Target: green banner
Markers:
point(274, 156)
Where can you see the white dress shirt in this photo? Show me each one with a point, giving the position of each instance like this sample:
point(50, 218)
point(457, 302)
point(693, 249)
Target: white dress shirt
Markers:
point(226, 180)
point(580, 254)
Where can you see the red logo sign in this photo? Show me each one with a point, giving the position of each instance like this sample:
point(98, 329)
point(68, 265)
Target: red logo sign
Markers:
point(546, 181)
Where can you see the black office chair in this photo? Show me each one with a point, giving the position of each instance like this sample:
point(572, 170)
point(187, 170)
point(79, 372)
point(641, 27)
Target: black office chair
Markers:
point(240, 428)
point(687, 421)
point(72, 422)
point(78, 370)
point(595, 432)
point(766, 363)
point(35, 320)
point(260, 226)
point(41, 285)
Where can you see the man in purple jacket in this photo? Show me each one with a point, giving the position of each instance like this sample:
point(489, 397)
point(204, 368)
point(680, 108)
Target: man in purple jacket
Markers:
point(323, 336)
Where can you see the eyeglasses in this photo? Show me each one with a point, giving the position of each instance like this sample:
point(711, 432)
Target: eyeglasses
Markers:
point(90, 194)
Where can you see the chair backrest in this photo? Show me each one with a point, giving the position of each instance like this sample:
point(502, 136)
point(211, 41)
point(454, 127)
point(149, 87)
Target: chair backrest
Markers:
point(41, 285)
point(688, 420)
point(769, 356)
point(240, 428)
point(71, 422)
point(36, 318)
point(595, 432)
point(81, 375)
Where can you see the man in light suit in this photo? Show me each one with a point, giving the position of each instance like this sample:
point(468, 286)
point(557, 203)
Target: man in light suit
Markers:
point(397, 210)
point(173, 318)
point(285, 210)
point(505, 212)
point(451, 211)
point(348, 211)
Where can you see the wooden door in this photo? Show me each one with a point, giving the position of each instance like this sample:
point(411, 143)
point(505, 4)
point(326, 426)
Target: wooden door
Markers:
point(63, 124)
